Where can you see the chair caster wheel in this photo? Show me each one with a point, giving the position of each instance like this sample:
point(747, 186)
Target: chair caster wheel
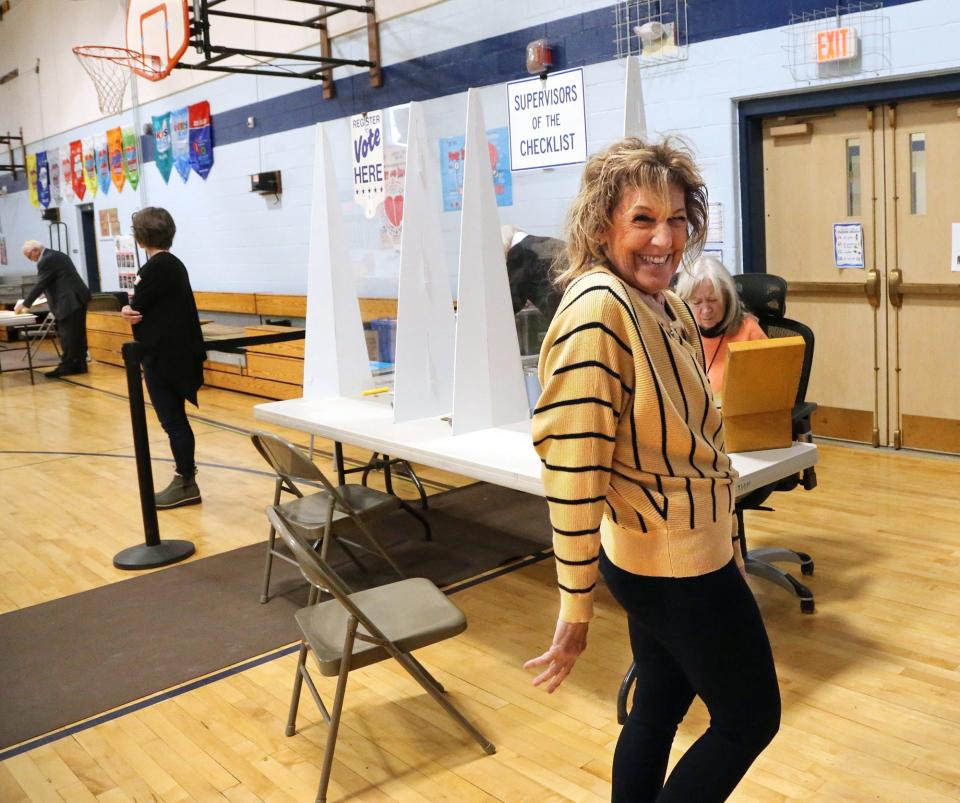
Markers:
point(806, 606)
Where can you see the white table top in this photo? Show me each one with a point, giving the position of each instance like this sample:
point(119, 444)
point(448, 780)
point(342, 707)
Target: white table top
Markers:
point(10, 318)
point(501, 455)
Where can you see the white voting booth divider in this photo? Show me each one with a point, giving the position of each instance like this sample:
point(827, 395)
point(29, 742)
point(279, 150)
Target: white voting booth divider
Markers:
point(634, 115)
point(488, 386)
point(425, 320)
point(335, 359)
point(468, 364)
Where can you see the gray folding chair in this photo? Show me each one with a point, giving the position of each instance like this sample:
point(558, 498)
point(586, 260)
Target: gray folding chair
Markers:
point(318, 512)
point(354, 630)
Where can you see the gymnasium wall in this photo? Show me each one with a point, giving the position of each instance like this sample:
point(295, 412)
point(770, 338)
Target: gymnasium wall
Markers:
point(232, 239)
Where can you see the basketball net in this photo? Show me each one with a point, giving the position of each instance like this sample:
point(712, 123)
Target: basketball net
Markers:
point(109, 68)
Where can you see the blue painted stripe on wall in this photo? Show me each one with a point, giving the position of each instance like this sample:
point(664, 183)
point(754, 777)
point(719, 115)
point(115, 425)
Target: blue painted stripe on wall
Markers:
point(578, 41)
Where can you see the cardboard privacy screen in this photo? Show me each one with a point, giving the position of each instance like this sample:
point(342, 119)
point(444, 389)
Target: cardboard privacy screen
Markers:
point(762, 378)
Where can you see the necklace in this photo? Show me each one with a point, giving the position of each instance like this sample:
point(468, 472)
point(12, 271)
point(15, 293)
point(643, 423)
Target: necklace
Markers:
point(713, 359)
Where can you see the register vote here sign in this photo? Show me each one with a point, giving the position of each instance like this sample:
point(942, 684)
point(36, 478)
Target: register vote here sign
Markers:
point(547, 121)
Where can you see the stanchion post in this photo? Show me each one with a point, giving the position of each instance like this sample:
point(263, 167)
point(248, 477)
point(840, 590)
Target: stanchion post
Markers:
point(153, 552)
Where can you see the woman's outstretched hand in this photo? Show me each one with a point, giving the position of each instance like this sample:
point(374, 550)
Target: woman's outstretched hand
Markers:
point(569, 640)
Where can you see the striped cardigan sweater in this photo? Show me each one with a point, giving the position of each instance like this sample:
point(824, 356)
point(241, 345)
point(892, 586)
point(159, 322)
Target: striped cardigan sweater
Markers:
point(631, 441)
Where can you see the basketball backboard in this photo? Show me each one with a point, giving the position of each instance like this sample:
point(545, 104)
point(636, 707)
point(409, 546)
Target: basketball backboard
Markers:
point(158, 28)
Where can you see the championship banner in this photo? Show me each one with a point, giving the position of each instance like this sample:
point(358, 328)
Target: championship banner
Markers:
point(201, 138)
point(115, 153)
point(53, 165)
point(180, 131)
point(43, 179)
point(90, 166)
point(76, 169)
point(131, 159)
point(103, 162)
point(162, 155)
point(66, 171)
point(32, 178)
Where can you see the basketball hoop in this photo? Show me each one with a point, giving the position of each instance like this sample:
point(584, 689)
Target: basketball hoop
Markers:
point(109, 68)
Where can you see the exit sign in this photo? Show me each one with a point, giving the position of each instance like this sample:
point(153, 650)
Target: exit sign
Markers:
point(837, 44)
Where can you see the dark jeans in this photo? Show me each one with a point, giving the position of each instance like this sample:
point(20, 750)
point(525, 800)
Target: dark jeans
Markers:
point(693, 636)
point(73, 340)
point(171, 410)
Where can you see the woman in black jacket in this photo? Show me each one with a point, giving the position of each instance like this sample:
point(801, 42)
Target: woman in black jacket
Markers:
point(166, 324)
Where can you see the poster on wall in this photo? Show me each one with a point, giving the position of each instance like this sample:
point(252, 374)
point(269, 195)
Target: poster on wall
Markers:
point(104, 220)
point(391, 212)
point(89, 166)
point(848, 245)
point(3, 250)
point(366, 135)
point(180, 141)
point(43, 179)
point(115, 153)
point(32, 178)
point(131, 158)
point(451, 169)
point(955, 247)
point(162, 155)
point(201, 138)
point(548, 124)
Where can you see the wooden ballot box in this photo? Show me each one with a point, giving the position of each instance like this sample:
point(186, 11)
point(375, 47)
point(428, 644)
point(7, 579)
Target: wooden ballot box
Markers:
point(760, 390)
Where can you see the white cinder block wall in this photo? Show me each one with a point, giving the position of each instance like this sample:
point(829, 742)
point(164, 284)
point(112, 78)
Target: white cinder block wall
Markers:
point(234, 240)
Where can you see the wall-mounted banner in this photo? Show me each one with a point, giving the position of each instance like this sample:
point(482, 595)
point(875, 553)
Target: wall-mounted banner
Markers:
point(115, 151)
point(451, 169)
point(76, 169)
point(32, 178)
point(180, 136)
point(89, 166)
point(201, 138)
point(548, 126)
point(848, 245)
point(162, 155)
point(53, 166)
point(366, 134)
point(66, 171)
point(131, 159)
point(103, 162)
point(43, 179)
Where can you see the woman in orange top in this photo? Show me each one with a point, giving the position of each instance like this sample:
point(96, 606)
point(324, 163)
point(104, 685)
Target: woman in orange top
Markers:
point(709, 290)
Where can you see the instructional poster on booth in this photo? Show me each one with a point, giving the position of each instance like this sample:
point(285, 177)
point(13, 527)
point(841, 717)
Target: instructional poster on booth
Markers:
point(366, 135)
point(848, 245)
point(548, 125)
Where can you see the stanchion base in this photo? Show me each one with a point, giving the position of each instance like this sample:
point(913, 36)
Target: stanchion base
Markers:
point(149, 557)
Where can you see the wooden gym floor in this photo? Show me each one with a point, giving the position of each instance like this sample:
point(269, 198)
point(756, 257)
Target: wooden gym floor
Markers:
point(871, 682)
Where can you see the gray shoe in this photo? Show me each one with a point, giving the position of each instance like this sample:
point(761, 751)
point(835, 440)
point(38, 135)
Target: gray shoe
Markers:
point(180, 491)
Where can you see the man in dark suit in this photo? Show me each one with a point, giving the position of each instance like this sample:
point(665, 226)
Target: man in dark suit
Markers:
point(68, 297)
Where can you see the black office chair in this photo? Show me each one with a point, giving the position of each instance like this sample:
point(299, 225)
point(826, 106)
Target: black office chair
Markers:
point(764, 295)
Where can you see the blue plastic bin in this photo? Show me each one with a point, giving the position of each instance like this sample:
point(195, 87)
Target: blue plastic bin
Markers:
point(386, 329)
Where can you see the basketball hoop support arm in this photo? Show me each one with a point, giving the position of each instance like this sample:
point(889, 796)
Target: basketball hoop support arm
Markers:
point(11, 140)
point(319, 67)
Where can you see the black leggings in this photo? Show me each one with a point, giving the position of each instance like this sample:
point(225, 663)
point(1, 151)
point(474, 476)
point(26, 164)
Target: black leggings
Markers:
point(171, 410)
point(693, 636)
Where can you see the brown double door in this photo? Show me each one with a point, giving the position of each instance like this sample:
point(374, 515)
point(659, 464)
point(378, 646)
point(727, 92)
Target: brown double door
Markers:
point(886, 369)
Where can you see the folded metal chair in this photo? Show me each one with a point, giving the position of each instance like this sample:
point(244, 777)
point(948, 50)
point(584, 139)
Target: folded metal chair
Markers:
point(319, 511)
point(354, 630)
